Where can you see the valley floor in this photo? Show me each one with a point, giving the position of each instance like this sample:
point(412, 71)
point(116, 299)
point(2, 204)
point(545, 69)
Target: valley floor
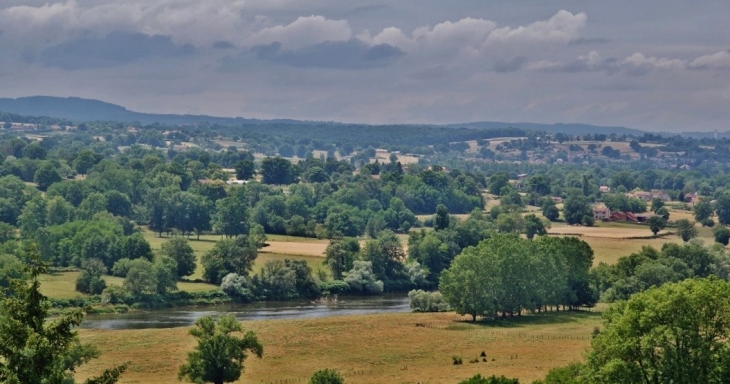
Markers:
point(386, 348)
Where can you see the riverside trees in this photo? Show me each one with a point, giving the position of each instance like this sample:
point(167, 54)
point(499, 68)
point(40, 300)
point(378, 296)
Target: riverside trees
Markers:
point(506, 275)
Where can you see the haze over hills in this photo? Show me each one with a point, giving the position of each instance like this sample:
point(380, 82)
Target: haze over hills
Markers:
point(80, 110)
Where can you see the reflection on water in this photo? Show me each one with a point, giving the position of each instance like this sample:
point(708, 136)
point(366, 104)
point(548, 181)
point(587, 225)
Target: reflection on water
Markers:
point(183, 317)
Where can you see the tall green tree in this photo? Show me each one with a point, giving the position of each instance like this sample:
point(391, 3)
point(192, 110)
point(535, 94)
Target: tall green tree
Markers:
point(219, 355)
point(656, 224)
point(33, 217)
point(721, 234)
point(703, 210)
point(179, 249)
point(277, 170)
point(722, 208)
point(686, 230)
point(340, 255)
point(46, 175)
point(576, 208)
point(441, 220)
point(230, 256)
point(231, 216)
point(35, 348)
point(245, 170)
point(677, 333)
point(534, 226)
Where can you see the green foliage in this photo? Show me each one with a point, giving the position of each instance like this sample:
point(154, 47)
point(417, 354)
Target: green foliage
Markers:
point(722, 234)
point(90, 280)
point(237, 287)
point(656, 224)
point(11, 268)
point(651, 268)
point(46, 175)
point(702, 210)
point(506, 275)
point(422, 301)
point(230, 256)
point(534, 226)
point(361, 279)
point(677, 333)
point(34, 348)
point(245, 170)
point(277, 170)
point(441, 221)
point(563, 375)
point(326, 376)
point(178, 248)
point(686, 230)
point(231, 216)
point(219, 355)
point(576, 208)
point(340, 255)
point(549, 210)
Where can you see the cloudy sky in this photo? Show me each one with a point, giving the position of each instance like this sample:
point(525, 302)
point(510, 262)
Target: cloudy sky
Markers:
point(649, 64)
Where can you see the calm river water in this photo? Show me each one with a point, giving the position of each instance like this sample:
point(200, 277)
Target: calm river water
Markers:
point(186, 316)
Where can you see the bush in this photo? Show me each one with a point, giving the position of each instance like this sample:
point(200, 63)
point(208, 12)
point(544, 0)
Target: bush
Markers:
point(236, 286)
point(422, 301)
point(327, 376)
point(361, 279)
point(708, 223)
point(334, 287)
point(115, 295)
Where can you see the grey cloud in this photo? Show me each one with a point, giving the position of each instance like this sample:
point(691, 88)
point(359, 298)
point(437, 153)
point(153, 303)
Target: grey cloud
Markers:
point(512, 65)
point(589, 41)
point(220, 44)
point(111, 50)
point(351, 54)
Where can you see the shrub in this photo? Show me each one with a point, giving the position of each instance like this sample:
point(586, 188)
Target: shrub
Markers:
point(236, 286)
point(362, 279)
point(334, 287)
point(422, 301)
point(115, 295)
point(327, 376)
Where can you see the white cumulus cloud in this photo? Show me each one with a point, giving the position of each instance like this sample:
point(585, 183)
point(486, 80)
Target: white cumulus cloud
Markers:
point(303, 32)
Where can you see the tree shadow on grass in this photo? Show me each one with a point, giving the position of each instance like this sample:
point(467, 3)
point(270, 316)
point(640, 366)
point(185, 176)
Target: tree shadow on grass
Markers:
point(544, 318)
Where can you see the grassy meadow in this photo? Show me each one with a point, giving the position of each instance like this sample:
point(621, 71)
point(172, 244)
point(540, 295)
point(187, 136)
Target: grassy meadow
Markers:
point(386, 348)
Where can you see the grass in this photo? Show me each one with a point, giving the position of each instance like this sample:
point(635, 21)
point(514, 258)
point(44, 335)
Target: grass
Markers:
point(62, 285)
point(365, 349)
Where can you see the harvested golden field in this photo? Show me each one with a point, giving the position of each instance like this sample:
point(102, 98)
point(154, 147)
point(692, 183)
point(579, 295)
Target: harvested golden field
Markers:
point(386, 348)
point(604, 232)
point(295, 248)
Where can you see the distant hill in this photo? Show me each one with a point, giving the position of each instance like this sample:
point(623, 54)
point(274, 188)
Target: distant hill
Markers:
point(568, 129)
point(80, 110)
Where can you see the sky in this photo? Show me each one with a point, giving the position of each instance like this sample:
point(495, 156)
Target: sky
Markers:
point(649, 64)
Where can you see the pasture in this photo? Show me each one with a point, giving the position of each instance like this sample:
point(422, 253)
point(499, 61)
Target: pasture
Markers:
point(383, 348)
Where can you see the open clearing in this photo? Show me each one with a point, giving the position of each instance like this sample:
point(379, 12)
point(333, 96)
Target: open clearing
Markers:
point(384, 348)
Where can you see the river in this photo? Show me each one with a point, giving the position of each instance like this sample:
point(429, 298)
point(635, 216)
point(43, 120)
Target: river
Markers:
point(268, 310)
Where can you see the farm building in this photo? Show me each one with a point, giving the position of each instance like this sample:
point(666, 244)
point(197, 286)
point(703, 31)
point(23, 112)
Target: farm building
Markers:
point(601, 212)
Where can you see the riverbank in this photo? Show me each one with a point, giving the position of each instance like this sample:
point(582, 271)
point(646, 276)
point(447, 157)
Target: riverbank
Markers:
point(379, 348)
